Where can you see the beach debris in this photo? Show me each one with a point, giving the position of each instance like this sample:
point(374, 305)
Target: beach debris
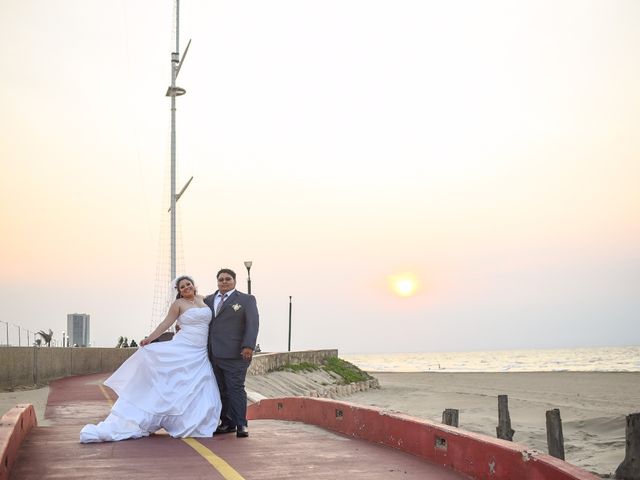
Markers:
point(527, 455)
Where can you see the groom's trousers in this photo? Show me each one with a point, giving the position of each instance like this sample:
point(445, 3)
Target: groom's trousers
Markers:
point(230, 374)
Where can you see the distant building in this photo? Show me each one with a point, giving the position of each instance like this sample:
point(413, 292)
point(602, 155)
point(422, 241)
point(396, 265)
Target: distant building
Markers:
point(78, 329)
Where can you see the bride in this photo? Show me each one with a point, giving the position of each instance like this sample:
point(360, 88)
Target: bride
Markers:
point(166, 385)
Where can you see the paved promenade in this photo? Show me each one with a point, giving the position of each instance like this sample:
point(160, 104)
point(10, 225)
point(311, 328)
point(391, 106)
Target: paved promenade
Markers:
point(275, 450)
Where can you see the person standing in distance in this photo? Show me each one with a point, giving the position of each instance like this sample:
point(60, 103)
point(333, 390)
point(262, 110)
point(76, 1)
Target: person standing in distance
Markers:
point(233, 332)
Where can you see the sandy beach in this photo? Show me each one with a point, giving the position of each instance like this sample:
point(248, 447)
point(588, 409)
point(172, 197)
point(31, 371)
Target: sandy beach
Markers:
point(593, 406)
point(36, 397)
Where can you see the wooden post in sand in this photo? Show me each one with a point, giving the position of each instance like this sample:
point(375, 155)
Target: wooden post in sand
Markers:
point(450, 417)
point(504, 430)
point(555, 439)
point(629, 469)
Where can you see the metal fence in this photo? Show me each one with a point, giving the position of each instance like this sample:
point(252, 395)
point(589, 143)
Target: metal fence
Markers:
point(14, 335)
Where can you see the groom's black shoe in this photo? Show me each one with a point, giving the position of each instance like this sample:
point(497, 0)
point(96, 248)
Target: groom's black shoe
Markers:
point(242, 431)
point(225, 429)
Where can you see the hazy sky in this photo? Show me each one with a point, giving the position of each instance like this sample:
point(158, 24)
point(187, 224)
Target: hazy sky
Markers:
point(488, 149)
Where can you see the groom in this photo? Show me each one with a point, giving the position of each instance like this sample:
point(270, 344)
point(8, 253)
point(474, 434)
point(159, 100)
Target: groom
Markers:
point(232, 339)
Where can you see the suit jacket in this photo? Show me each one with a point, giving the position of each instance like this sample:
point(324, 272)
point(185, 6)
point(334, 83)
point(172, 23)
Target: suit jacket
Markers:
point(235, 327)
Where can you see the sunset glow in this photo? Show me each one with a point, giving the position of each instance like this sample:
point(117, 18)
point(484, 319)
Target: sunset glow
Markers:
point(404, 285)
point(424, 163)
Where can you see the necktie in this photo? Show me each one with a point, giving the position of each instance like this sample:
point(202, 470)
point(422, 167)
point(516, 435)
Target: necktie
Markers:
point(220, 304)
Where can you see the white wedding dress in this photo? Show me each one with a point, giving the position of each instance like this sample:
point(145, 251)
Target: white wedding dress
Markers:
point(166, 385)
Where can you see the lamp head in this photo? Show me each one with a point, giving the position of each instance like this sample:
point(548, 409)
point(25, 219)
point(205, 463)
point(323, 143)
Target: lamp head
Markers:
point(248, 264)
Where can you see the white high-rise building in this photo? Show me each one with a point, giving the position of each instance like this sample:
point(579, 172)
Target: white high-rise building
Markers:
point(78, 329)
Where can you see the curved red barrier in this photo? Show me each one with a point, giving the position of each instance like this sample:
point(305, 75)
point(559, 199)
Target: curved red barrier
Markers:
point(478, 456)
point(15, 425)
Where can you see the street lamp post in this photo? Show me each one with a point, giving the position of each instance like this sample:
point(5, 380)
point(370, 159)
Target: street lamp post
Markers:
point(64, 343)
point(248, 264)
point(289, 345)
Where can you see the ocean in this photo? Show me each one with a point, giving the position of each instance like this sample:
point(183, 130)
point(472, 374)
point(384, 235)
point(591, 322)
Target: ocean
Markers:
point(592, 359)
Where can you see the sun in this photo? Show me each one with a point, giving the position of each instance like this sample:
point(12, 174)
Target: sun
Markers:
point(404, 284)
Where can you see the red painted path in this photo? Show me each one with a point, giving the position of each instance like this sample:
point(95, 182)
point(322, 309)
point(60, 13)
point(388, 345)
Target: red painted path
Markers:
point(275, 450)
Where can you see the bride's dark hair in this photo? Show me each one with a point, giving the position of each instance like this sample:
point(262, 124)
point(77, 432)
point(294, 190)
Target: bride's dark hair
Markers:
point(177, 284)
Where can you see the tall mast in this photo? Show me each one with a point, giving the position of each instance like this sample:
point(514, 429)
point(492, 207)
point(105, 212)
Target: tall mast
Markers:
point(175, 58)
point(173, 92)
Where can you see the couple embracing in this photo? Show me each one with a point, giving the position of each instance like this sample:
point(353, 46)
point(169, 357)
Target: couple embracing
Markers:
point(192, 385)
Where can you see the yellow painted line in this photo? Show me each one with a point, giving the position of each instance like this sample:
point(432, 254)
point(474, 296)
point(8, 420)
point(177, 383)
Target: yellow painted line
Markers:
point(106, 394)
point(219, 464)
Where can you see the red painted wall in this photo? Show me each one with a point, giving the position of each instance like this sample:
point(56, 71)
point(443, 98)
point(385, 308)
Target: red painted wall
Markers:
point(478, 456)
point(14, 427)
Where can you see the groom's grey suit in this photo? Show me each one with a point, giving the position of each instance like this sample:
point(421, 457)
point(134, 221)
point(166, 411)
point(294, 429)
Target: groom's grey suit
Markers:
point(234, 328)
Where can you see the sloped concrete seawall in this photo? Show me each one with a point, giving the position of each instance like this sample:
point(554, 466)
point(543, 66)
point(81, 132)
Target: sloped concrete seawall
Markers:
point(267, 362)
point(317, 383)
point(264, 381)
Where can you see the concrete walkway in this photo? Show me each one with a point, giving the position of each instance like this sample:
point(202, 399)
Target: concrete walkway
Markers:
point(275, 450)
